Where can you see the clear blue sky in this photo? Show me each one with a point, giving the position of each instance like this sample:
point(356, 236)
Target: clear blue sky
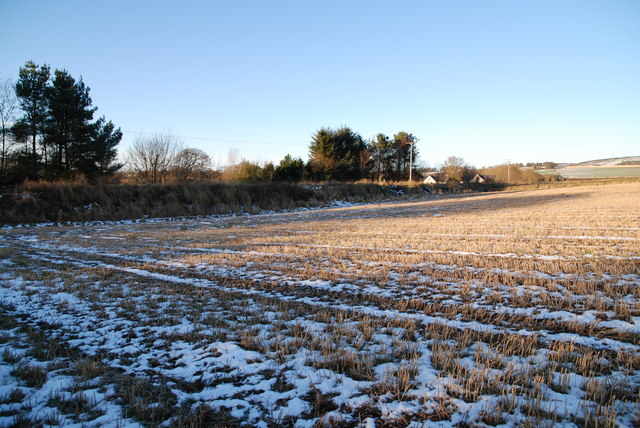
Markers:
point(485, 80)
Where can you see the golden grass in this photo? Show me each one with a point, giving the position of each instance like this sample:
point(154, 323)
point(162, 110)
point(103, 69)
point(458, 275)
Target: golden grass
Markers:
point(513, 296)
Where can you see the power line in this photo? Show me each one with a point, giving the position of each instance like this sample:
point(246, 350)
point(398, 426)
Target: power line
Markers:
point(217, 139)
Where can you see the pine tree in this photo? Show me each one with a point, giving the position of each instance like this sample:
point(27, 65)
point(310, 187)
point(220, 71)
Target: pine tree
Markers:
point(403, 143)
point(98, 160)
point(381, 153)
point(69, 129)
point(31, 92)
point(338, 155)
point(58, 114)
point(322, 156)
point(289, 169)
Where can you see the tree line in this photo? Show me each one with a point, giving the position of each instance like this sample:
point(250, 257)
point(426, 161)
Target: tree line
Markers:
point(49, 133)
point(334, 155)
point(50, 118)
point(343, 154)
point(339, 154)
point(162, 158)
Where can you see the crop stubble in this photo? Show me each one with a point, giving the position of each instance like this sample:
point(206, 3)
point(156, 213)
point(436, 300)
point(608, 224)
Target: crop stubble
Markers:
point(517, 308)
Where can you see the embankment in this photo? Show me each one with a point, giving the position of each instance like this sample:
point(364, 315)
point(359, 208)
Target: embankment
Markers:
point(37, 203)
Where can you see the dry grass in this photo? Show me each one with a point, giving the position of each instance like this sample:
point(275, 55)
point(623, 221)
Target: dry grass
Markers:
point(32, 376)
point(38, 202)
point(491, 309)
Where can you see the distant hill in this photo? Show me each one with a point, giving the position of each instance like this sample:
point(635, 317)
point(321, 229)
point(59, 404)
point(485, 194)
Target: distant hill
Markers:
point(628, 160)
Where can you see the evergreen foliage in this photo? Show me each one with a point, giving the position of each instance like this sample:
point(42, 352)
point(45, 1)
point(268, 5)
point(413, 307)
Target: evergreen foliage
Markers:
point(68, 127)
point(62, 140)
point(340, 155)
point(31, 90)
point(100, 156)
point(403, 143)
point(390, 158)
point(290, 169)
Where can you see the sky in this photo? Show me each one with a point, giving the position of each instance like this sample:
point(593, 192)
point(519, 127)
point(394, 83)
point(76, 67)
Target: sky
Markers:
point(488, 81)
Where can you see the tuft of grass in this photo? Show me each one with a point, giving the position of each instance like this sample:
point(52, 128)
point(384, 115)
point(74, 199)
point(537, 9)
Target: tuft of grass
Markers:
point(15, 396)
point(203, 416)
point(10, 357)
point(144, 400)
point(24, 421)
point(357, 367)
point(89, 368)
point(31, 375)
point(76, 405)
point(320, 403)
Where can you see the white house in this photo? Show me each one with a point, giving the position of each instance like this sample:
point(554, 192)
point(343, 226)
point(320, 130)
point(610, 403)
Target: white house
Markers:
point(483, 178)
point(430, 180)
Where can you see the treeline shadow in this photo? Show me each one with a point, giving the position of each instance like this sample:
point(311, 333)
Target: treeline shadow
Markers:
point(448, 205)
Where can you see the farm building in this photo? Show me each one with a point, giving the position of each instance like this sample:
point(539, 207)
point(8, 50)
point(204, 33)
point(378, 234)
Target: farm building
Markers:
point(482, 178)
point(430, 180)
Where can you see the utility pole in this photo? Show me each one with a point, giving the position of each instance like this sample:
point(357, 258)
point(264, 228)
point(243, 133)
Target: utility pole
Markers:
point(508, 170)
point(411, 143)
point(410, 160)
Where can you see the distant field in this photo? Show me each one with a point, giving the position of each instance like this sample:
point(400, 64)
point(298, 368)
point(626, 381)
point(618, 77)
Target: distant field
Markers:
point(600, 172)
point(508, 309)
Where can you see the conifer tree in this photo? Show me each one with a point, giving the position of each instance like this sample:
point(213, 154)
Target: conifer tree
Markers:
point(68, 129)
point(58, 114)
point(403, 144)
point(289, 169)
point(381, 148)
point(31, 90)
point(338, 155)
point(98, 159)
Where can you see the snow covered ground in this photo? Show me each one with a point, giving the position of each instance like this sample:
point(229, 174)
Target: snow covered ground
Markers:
point(492, 310)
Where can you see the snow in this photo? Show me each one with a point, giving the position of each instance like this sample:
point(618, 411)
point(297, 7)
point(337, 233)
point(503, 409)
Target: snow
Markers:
point(109, 316)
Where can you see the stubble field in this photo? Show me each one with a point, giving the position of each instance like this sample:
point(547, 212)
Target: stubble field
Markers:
point(581, 172)
point(513, 309)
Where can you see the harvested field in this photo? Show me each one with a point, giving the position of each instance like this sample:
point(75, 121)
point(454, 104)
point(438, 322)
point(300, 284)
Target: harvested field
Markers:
point(578, 172)
point(512, 309)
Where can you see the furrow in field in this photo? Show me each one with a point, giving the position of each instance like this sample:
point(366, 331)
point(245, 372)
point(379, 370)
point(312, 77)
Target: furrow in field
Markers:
point(585, 329)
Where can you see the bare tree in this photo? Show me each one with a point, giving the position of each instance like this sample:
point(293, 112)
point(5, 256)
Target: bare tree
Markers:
point(8, 110)
point(456, 169)
point(191, 164)
point(150, 158)
point(233, 157)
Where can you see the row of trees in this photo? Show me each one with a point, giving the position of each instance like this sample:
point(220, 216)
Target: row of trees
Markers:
point(161, 158)
point(49, 131)
point(289, 169)
point(514, 173)
point(456, 170)
point(340, 155)
point(343, 154)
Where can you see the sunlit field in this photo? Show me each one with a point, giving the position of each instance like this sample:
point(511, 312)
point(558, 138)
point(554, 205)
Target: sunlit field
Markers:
point(600, 172)
point(513, 309)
